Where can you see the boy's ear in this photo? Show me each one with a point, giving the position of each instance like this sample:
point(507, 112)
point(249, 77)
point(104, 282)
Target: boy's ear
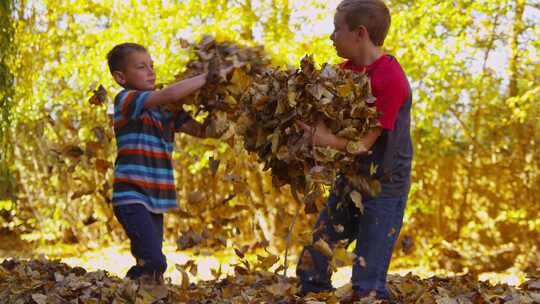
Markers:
point(119, 77)
point(362, 32)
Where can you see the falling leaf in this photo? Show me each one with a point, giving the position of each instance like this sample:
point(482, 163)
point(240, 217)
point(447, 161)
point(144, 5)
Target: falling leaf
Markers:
point(72, 151)
point(185, 278)
point(89, 220)
point(100, 134)
point(81, 193)
point(102, 165)
point(373, 168)
point(195, 197)
point(188, 239)
point(92, 148)
point(192, 267)
point(375, 186)
point(239, 253)
point(232, 178)
point(342, 257)
point(323, 247)
point(406, 244)
point(339, 228)
point(99, 97)
point(265, 262)
point(216, 272)
point(356, 197)
point(184, 43)
point(239, 270)
point(228, 198)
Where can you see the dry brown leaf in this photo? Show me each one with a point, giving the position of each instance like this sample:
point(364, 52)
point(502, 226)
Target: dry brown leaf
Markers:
point(356, 197)
point(99, 97)
point(185, 277)
point(323, 247)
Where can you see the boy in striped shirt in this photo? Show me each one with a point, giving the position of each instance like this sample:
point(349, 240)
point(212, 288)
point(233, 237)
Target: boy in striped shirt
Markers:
point(144, 185)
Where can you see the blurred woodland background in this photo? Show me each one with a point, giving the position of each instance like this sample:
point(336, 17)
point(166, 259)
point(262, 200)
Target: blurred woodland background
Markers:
point(475, 71)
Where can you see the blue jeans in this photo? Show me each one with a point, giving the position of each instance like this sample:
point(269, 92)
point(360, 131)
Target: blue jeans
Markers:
point(375, 232)
point(145, 232)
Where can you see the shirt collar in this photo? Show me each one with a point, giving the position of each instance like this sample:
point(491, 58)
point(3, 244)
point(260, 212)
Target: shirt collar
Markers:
point(349, 65)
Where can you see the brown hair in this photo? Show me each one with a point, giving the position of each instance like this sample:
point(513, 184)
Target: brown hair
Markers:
point(373, 14)
point(116, 58)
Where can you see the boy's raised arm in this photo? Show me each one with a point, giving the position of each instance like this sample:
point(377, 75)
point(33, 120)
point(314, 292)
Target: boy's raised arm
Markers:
point(175, 92)
point(181, 89)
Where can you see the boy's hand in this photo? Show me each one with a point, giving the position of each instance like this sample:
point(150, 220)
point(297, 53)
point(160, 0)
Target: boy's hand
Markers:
point(319, 135)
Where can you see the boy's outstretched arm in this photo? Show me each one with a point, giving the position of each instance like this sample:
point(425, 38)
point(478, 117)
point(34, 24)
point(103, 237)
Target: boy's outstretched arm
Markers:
point(320, 135)
point(175, 92)
point(179, 90)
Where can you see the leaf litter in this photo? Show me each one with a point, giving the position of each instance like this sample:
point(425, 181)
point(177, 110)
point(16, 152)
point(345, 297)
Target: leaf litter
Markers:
point(45, 281)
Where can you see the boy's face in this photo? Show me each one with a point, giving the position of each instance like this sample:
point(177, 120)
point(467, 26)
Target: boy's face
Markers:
point(138, 73)
point(348, 43)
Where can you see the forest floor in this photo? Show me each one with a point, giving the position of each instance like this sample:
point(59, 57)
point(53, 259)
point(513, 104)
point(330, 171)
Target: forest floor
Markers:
point(71, 274)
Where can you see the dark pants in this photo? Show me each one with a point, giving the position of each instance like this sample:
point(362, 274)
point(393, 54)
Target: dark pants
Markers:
point(145, 232)
point(375, 232)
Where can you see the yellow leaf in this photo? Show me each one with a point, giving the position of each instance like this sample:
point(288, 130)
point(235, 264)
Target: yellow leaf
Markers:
point(342, 257)
point(267, 262)
point(373, 168)
point(230, 100)
point(240, 80)
point(344, 90)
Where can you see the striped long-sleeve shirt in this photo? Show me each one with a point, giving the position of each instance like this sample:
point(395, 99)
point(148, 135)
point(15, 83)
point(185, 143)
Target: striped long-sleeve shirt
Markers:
point(143, 172)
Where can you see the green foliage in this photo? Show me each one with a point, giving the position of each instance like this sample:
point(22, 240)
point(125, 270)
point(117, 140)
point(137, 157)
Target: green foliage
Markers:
point(473, 66)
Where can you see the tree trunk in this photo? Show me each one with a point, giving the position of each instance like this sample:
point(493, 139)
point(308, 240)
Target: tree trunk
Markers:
point(517, 29)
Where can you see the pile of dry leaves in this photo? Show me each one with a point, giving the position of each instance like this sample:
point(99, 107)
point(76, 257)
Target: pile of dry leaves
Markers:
point(261, 105)
point(41, 281)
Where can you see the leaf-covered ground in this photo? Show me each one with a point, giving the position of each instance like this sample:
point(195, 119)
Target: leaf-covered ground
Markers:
point(43, 281)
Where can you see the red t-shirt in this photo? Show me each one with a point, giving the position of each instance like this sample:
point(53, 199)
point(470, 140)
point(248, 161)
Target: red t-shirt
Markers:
point(389, 85)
